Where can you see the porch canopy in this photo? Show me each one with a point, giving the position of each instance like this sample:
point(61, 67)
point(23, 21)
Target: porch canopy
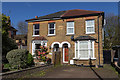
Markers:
point(39, 38)
point(80, 38)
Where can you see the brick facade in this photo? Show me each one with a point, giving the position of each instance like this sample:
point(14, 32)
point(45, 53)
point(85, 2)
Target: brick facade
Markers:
point(60, 36)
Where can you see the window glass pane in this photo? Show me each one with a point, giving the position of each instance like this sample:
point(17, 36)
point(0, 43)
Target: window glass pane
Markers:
point(36, 26)
point(91, 53)
point(89, 22)
point(83, 45)
point(36, 32)
point(51, 25)
point(76, 53)
point(90, 29)
point(70, 30)
point(91, 45)
point(83, 53)
point(51, 31)
point(70, 24)
point(37, 46)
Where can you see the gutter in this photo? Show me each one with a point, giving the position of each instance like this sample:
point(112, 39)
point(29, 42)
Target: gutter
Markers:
point(38, 20)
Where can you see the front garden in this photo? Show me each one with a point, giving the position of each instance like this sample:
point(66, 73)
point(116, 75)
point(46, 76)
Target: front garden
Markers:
point(19, 59)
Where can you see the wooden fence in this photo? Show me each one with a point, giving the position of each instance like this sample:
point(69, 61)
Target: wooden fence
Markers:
point(57, 58)
point(106, 56)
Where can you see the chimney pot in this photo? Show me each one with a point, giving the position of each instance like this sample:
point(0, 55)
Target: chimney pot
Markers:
point(36, 16)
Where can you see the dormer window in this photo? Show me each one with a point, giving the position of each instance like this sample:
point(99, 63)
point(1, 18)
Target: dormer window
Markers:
point(35, 29)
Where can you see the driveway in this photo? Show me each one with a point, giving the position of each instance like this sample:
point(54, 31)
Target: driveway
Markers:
point(82, 72)
point(68, 71)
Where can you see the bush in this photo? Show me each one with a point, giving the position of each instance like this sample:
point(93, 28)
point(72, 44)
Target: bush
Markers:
point(7, 66)
point(17, 58)
point(8, 44)
point(30, 60)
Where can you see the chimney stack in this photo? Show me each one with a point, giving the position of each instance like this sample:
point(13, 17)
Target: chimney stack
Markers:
point(36, 16)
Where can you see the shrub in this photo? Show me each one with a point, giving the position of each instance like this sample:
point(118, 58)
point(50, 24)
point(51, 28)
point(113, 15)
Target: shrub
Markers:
point(30, 60)
point(8, 44)
point(7, 66)
point(17, 58)
point(41, 54)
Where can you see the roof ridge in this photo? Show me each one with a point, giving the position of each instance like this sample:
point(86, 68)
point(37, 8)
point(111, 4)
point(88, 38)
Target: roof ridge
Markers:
point(83, 10)
point(52, 13)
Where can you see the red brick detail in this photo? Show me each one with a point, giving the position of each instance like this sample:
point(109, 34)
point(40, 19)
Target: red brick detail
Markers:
point(39, 38)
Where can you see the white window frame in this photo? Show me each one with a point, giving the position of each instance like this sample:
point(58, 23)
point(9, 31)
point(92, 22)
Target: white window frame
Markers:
point(37, 42)
point(70, 27)
point(50, 29)
point(90, 26)
point(36, 30)
point(77, 55)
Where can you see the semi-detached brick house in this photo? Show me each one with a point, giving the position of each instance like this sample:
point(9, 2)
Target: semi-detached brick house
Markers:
point(77, 34)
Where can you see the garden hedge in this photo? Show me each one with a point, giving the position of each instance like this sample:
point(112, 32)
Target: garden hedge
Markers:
point(19, 58)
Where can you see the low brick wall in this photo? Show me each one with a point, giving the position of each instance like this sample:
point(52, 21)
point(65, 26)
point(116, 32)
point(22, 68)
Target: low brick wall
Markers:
point(20, 73)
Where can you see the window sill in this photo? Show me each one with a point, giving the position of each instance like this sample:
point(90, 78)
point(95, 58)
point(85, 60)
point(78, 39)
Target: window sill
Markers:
point(51, 35)
point(35, 35)
point(69, 34)
point(84, 58)
point(91, 33)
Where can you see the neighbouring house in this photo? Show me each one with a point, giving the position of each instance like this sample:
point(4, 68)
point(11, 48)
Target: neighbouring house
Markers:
point(11, 30)
point(21, 41)
point(77, 34)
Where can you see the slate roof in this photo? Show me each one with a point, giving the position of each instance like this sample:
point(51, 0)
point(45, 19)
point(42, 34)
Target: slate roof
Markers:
point(66, 14)
point(12, 28)
point(84, 38)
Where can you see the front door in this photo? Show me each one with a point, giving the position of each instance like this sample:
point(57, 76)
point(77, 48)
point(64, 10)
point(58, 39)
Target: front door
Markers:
point(66, 55)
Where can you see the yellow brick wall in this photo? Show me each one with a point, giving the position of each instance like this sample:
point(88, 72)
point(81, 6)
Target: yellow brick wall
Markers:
point(79, 28)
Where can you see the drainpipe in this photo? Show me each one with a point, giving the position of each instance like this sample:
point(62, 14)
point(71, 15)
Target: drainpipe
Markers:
point(98, 41)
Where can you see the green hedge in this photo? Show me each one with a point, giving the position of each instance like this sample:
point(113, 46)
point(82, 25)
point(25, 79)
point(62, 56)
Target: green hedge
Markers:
point(19, 58)
point(30, 61)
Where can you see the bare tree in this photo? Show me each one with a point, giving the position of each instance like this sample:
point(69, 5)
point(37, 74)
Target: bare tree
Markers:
point(111, 31)
point(22, 27)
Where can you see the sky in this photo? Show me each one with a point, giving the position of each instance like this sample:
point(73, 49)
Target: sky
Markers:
point(21, 11)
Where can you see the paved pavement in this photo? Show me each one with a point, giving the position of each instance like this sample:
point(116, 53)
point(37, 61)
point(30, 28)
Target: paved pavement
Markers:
point(81, 72)
point(68, 71)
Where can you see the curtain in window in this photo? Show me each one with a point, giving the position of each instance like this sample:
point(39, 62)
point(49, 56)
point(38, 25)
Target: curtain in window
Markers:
point(84, 49)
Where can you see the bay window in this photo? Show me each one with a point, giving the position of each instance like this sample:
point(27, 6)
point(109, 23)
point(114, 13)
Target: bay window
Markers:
point(84, 49)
